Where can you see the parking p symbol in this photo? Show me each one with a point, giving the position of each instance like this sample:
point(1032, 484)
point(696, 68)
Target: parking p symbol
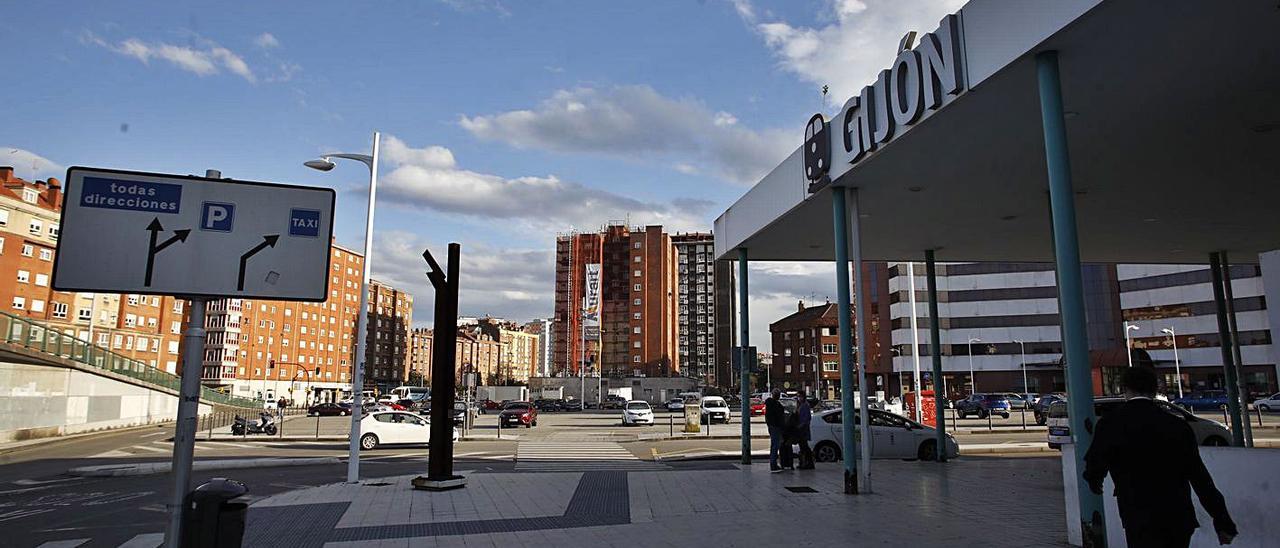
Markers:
point(217, 216)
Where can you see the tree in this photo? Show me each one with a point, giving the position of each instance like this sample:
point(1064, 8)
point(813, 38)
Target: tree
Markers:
point(416, 379)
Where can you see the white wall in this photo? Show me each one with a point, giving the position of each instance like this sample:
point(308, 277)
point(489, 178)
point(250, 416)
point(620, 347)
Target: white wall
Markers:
point(1246, 477)
point(42, 401)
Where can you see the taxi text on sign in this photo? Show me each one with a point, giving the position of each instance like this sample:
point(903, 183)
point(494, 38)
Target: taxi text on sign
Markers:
point(132, 232)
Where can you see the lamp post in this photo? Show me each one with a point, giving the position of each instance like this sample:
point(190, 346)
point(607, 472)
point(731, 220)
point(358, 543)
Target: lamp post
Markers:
point(1177, 367)
point(357, 377)
point(973, 381)
point(1023, 351)
point(1128, 341)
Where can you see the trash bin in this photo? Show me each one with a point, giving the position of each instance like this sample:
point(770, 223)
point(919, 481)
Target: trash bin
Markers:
point(212, 520)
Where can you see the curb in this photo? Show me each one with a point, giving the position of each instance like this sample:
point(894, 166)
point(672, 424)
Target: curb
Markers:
point(149, 468)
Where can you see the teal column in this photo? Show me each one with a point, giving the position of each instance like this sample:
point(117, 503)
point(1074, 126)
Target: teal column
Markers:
point(745, 358)
point(1216, 268)
point(1066, 248)
point(847, 411)
point(1242, 399)
point(935, 352)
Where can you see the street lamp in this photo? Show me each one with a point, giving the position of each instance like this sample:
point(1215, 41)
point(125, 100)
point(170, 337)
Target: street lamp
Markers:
point(357, 378)
point(1025, 391)
point(1177, 368)
point(1128, 341)
point(973, 380)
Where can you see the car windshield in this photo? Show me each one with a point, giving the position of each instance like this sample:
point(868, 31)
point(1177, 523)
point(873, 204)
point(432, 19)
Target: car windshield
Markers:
point(1058, 409)
point(460, 406)
point(994, 397)
point(638, 406)
point(714, 402)
point(516, 407)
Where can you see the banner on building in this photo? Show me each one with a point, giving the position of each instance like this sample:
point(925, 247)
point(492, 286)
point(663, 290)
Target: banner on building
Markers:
point(591, 301)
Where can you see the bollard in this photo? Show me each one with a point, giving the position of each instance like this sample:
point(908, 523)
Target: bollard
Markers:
point(989, 417)
point(671, 424)
point(499, 426)
point(1024, 417)
point(317, 425)
point(1226, 419)
point(1259, 410)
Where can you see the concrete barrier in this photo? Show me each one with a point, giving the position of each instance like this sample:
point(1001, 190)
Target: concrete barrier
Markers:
point(40, 401)
point(1248, 479)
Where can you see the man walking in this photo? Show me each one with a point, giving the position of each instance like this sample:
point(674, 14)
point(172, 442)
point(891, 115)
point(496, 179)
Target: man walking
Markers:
point(804, 414)
point(1154, 460)
point(775, 418)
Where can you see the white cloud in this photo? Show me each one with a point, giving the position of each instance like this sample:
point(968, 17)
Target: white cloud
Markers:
point(266, 40)
point(429, 178)
point(860, 40)
point(777, 287)
point(29, 165)
point(512, 283)
point(636, 121)
point(204, 60)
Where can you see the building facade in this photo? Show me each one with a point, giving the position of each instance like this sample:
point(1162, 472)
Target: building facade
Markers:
point(476, 353)
point(546, 345)
point(420, 346)
point(638, 332)
point(387, 348)
point(696, 276)
point(518, 355)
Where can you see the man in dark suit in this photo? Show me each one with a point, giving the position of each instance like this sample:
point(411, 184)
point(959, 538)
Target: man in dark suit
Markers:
point(1154, 460)
point(775, 417)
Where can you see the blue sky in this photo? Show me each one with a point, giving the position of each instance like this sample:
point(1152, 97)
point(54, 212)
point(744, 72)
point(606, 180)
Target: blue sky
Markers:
point(503, 122)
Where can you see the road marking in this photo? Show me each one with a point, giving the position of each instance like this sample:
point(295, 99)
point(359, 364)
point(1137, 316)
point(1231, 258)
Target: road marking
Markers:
point(42, 482)
point(145, 540)
point(65, 543)
point(153, 434)
point(154, 508)
point(119, 498)
point(553, 456)
point(15, 514)
point(152, 449)
point(111, 455)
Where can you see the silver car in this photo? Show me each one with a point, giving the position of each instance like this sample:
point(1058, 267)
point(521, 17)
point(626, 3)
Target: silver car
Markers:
point(892, 437)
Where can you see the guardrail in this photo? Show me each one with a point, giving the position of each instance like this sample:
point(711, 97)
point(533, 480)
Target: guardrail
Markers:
point(34, 335)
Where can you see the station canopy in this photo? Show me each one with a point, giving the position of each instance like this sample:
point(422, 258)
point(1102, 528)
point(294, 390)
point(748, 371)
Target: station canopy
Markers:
point(1173, 124)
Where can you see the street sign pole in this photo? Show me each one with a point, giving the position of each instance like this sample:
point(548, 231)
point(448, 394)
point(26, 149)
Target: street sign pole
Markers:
point(184, 430)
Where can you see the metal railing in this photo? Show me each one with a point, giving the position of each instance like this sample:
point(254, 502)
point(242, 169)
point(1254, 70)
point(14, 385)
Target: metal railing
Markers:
point(34, 335)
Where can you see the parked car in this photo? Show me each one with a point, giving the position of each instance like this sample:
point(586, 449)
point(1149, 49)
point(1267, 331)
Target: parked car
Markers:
point(1208, 432)
point(518, 413)
point(637, 412)
point(675, 404)
point(490, 405)
point(547, 406)
point(1041, 407)
point(1268, 404)
point(714, 409)
point(757, 407)
point(571, 405)
point(459, 413)
point(1019, 401)
point(983, 405)
point(613, 401)
point(395, 427)
point(1207, 400)
point(892, 437)
point(328, 410)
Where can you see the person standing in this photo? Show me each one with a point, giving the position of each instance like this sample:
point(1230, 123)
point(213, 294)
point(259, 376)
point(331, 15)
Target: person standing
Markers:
point(804, 415)
point(1154, 461)
point(775, 418)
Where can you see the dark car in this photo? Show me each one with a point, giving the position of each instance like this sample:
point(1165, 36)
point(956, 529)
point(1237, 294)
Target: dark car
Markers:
point(613, 401)
point(459, 413)
point(548, 406)
point(328, 410)
point(518, 413)
point(983, 405)
point(571, 405)
point(410, 404)
point(1041, 407)
point(1208, 400)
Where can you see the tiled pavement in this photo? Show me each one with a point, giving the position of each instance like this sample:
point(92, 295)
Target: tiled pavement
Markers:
point(970, 502)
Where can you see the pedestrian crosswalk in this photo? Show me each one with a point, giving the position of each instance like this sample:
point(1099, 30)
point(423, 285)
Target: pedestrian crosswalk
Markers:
point(145, 540)
point(166, 447)
point(578, 456)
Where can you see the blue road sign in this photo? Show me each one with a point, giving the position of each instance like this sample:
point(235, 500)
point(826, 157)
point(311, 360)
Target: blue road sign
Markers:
point(217, 216)
point(304, 222)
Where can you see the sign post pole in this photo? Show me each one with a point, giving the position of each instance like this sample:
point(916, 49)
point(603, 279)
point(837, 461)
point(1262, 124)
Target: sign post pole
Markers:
point(184, 430)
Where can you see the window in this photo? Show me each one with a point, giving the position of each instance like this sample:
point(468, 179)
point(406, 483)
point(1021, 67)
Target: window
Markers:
point(786, 335)
point(36, 226)
point(635, 315)
point(176, 328)
point(636, 302)
point(142, 344)
point(636, 245)
point(635, 359)
point(786, 352)
point(59, 310)
point(28, 250)
point(635, 259)
point(636, 274)
point(133, 300)
point(30, 195)
point(46, 254)
point(42, 280)
point(173, 347)
point(19, 303)
point(53, 232)
point(4, 217)
point(24, 276)
point(130, 320)
point(37, 305)
point(635, 330)
point(829, 366)
point(786, 368)
point(84, 314)
point(637, 287)
point(635, 344)
point(828, 348)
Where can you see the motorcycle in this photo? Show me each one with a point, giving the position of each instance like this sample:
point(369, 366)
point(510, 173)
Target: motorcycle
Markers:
point(242, 426)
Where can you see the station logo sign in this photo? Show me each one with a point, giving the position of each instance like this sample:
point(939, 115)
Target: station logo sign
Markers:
point(817, 153)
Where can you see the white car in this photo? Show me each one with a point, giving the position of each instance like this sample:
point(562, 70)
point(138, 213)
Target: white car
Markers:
point(675, 404)
point(1268, 404)
point(637, 412)
point(892, 437)
point(395, 427)
point(1208, 432)
point(714, 409)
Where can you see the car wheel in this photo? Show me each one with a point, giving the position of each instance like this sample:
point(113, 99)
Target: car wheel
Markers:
point(343, 413)
point(369, 442)
point(1004, 415)
point(535, 423)
point(826, 452)
point(1264, 408)
point(928, 450)
point(313, 414)
point(962, 414)
point(984, 414)
point(1215, 441)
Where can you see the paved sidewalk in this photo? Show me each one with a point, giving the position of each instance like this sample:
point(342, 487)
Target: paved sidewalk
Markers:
point(914, 504)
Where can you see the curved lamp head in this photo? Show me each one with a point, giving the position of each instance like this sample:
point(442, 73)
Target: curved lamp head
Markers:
point(1132, 327)
point(1167, 331)
point(322, 164)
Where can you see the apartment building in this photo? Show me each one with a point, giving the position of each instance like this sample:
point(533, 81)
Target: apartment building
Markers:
point(421, 342)
point(476, 353)
point(387, 347)
point(696, 272)
point(546, 345)
point(574, 251)
point(518, 355)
